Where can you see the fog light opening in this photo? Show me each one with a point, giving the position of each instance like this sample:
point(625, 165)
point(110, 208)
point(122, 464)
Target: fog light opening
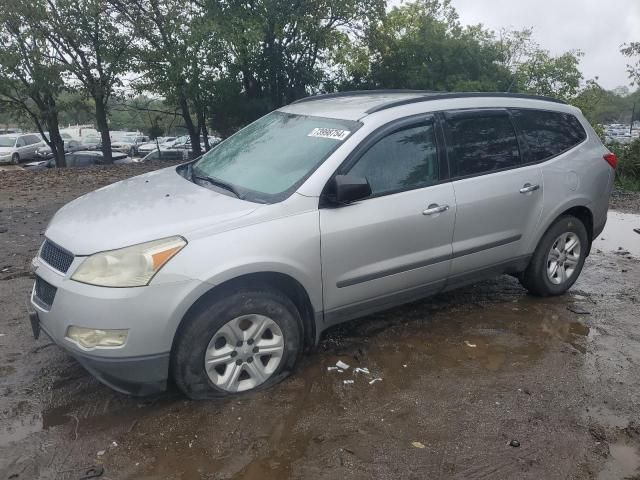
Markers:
point(94, 337)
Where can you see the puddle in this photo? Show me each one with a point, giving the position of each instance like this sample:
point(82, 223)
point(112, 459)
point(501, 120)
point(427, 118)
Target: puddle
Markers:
point(623, 463)
point(618, 233)
point(483, 352)
point(418, 348)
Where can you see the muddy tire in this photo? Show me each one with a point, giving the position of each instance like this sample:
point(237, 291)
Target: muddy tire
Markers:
point(239, 341)
point(558, 258)
point(15, 159)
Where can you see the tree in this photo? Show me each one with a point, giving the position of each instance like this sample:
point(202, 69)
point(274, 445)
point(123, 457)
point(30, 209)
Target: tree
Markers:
point(30, 79)
point(534, 70)
point(89, 37)
point(422, 45)
point(633, 50)
point(178, 55)
point(280, 50)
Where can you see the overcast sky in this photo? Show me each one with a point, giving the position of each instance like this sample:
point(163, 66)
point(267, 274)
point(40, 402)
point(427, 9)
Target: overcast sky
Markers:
point(597, 27)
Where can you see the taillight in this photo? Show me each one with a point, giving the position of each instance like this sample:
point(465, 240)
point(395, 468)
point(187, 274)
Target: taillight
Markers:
point(611, 159)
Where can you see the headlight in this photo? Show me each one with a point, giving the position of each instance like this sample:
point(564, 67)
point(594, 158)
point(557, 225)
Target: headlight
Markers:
point(132, 266)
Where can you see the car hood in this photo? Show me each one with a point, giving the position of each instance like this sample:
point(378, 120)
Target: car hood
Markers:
point(6, 149)
point(140, 209)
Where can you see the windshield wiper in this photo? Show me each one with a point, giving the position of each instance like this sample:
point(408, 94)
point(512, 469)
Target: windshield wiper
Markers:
point(216, 182)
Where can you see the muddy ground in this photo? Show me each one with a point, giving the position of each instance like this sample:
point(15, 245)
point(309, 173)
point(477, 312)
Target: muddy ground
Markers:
point(464, 375)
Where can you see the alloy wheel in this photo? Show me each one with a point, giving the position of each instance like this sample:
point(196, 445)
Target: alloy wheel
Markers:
point(244, 353)
point(563, 258)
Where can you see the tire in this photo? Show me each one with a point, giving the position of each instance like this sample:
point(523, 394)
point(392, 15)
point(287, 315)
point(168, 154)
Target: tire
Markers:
point(15, 159)
point(543, 276)
point(209, 333)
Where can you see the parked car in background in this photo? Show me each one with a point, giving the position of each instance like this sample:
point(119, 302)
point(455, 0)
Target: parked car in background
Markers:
point(82, 133)
point(129, 145)
point(166, 154)
point(70, 145)
point(91, 142)
point(160, 142)
point(219, 272)
point(17, 148)
point(82, 158)
point(184, 143)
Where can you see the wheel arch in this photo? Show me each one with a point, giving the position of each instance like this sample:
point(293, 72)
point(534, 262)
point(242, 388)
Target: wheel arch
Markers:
point(281, 282)
point(585, 215)
point(577, 208)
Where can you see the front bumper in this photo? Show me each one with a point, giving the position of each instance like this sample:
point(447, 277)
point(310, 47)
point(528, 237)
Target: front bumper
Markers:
point(151, 314)
point(139, 376)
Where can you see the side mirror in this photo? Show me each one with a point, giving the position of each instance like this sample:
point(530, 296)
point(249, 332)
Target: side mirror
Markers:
point(345, 189)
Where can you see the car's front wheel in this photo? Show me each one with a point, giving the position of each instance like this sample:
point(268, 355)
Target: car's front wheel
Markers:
point(235, 343)
point(15, 159)
point(558, 258)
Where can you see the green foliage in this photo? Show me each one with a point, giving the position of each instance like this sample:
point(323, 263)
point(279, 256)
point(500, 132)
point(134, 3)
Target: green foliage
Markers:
point(196, 64)
point(628, 171)
point(30, 80)
point(280, 50)
point(632, 50)
point(422, 45)
point(605, 106)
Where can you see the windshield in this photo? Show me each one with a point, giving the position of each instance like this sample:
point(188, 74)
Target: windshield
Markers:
point(7, 141)
point(266, 159)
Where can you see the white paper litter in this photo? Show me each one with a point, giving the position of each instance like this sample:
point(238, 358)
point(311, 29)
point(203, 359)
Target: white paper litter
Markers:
point(332, 368)
point(468, 344)
point(361, 370)
point(342, 365)
point(347, 382)
point(377, 379)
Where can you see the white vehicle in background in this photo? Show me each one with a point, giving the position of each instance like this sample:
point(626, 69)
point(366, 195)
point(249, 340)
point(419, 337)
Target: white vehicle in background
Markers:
point(16, 148)
point(158, 143)
point(80, 133)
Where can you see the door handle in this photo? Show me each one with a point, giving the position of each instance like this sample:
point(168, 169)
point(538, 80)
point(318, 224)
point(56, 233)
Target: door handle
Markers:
point(435, 208)
point(527, 187)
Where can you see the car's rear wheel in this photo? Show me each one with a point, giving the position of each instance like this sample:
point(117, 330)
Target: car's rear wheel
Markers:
point(558, 258)
point(15, 159)
point(237, 342)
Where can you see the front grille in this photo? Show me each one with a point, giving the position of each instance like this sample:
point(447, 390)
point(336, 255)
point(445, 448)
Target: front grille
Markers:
point(45, 293)
point(56, 256)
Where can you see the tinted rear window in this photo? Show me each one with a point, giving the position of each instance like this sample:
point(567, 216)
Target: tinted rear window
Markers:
point(479, 144)
point(548, 133)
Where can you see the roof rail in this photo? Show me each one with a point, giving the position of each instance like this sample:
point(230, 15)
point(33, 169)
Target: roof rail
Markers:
point(354, 93)
point(446, 95)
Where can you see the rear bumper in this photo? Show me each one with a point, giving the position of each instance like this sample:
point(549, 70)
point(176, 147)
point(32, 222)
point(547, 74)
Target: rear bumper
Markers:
point(142, 375)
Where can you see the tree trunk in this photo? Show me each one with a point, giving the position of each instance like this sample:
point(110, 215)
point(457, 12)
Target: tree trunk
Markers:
point(103, 128)
point(57, 143)
point(194, 134)
point(202, 120)
point(49, 112)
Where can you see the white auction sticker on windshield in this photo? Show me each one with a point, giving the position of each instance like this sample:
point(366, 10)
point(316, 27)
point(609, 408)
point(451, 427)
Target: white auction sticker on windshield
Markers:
point(332, 133)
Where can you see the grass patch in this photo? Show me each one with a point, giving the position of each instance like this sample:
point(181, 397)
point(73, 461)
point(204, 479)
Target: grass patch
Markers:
point(629, 184)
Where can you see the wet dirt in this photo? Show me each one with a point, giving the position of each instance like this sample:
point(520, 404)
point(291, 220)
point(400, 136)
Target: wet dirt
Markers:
point(464, 374)
point(619, 235)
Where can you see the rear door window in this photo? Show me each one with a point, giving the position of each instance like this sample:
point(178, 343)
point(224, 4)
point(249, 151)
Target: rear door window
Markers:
point(480, 143)
point(403, 160)
point(548, 134)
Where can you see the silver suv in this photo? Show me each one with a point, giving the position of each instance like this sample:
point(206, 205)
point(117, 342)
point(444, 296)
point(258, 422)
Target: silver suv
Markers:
point(220, 272)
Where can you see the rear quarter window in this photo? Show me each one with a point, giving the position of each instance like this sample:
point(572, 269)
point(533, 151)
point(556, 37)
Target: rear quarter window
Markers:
point(548, 134)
